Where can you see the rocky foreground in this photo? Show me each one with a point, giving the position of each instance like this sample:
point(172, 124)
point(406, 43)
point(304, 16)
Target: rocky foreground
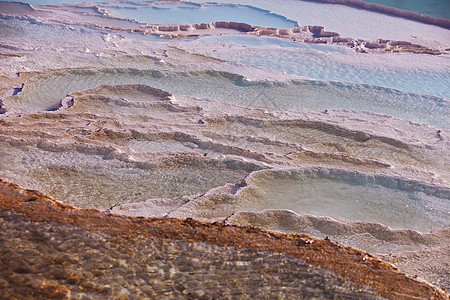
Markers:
point(52, 250)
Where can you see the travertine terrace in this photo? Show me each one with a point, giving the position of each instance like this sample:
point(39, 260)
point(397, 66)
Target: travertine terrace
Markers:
point(223, 158)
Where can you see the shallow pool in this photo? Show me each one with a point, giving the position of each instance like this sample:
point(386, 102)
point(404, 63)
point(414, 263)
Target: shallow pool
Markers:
point(395, 202)
point(251, 40)
point(45, 92)
point(189, 13)
point(323, 66)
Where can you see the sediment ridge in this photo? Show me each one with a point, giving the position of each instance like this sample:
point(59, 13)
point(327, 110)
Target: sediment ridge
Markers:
point(305, 34)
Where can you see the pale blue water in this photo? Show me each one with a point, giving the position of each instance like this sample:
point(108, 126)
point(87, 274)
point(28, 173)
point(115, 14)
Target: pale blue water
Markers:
point(249, 40)
point(45, 92)
point(320, 66)
point(19, 28)
point(188, 13)
point(435, 8)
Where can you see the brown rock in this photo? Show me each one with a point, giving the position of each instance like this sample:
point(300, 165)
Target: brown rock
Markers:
point(313, 268)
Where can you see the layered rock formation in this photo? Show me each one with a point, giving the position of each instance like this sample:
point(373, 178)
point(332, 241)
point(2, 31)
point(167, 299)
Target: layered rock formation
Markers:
point(305, 34)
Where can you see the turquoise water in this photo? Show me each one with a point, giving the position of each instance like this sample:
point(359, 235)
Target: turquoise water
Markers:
point(188, 13)
point(251, 40)
point(321, 66)
point(435, 8)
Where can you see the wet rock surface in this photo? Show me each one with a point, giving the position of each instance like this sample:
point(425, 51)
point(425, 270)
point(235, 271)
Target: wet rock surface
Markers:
point(51, 250)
